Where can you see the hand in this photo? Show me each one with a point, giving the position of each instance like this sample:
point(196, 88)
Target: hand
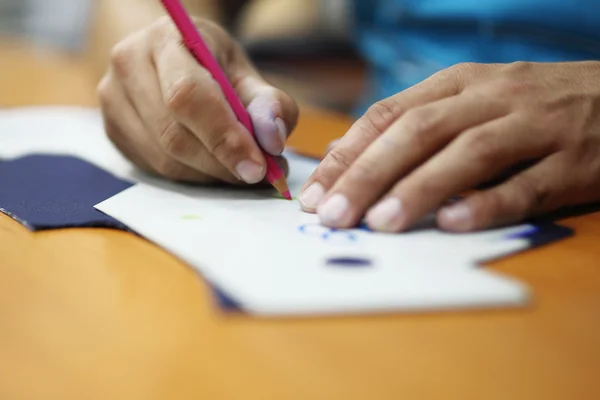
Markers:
point(165, 113)
point(460, 128)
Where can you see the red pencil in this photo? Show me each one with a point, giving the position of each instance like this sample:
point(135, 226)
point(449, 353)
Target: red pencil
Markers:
point(196, 45)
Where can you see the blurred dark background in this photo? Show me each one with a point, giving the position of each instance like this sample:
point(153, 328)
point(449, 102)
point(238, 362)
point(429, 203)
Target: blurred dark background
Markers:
point(302, 46)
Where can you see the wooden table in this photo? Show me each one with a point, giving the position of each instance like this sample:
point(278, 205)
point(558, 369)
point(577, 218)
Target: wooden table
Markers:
point(101, 314)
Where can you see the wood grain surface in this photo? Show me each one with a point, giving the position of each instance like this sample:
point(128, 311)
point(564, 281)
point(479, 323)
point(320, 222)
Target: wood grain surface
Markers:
point(101, 314)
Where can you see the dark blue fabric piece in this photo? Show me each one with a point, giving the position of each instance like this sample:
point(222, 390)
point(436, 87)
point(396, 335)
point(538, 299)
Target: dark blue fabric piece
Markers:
point(544, 233)
point(49, 192)
point(225, 301)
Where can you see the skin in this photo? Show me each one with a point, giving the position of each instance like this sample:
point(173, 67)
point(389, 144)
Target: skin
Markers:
point(461, 128)
point(165, 113)
point(456, 130)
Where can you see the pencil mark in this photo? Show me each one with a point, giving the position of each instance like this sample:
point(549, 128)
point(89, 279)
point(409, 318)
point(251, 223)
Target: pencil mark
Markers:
point(349, 262)
point(191, 217)
point(279, 196)
point(331, 235)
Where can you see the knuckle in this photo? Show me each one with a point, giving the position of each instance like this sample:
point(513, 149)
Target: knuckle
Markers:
point(174, 139)
point(420, 123)
point(102, 87)
point(493, 203)
point(492, 208)
point(340, 158)
point(485, 95)
point(465, 66)
point(508, 86)
point(463, 74)
point(367, 172)
point(483, 145)
point(162, 30)
point(426, 189)
point(112, 132)
point(163, 22)
point(228, 144)
point(531, 195)
point(381, 115)
point(168, 168)
point(214, 31)
point(104, 92)
point(120, 58)
point(182, 95)
point(517, 67)
point(331, 146)
point(443, 75)
point(462, 70)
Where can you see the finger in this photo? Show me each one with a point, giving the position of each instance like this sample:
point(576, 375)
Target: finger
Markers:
point(472, 158)
point(182, 145)
point(196, 101)
point(127, 132)
point(142, 88)
point(173, 137)
point(535, 191)
point(370, 126)
point(120, 141)
point(113, 103)
point(411, 140)
point(272, 119)
point(331, 145)
point(274, 114)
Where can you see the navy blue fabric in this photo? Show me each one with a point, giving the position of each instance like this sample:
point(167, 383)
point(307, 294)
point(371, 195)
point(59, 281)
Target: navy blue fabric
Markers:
point(225, 301)
point(48, 192)
point(544, 233)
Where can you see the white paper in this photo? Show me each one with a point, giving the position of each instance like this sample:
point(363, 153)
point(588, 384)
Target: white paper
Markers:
point(253, 250)
point(263, 251)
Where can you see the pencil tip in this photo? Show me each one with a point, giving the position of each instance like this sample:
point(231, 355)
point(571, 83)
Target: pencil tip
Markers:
point(282, 187)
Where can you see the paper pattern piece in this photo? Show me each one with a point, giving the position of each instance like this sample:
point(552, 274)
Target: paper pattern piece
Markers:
point(270, 258)
point(224, 234)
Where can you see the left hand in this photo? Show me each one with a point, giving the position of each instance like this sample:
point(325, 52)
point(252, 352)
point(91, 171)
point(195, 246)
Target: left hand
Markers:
point(462, 127)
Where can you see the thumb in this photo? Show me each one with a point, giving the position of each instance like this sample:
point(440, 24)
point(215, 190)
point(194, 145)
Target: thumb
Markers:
point(274, 114)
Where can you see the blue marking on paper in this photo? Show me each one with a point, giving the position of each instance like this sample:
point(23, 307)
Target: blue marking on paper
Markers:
point(330, 235)
point(351, 262)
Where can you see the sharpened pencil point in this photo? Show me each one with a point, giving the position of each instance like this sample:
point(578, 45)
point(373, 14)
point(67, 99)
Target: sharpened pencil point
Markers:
point(282, 187)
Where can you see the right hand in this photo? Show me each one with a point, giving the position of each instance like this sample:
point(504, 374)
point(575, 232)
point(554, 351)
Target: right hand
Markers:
point(165, 113)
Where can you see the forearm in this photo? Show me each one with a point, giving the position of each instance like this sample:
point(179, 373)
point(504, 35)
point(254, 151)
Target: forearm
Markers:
point(116, 19)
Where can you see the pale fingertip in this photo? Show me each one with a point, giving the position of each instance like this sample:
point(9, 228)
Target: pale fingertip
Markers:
point(268, 132)
point(311, 197)
point(334, 212)
point(385, 216)
point(457, 217)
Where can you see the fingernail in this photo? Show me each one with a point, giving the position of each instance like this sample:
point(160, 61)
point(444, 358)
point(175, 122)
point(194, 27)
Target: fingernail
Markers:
point(311, 196)
point(333, 211)
point(386, 215)
point(249, 171)
point(458, 216)
point(281, 130)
